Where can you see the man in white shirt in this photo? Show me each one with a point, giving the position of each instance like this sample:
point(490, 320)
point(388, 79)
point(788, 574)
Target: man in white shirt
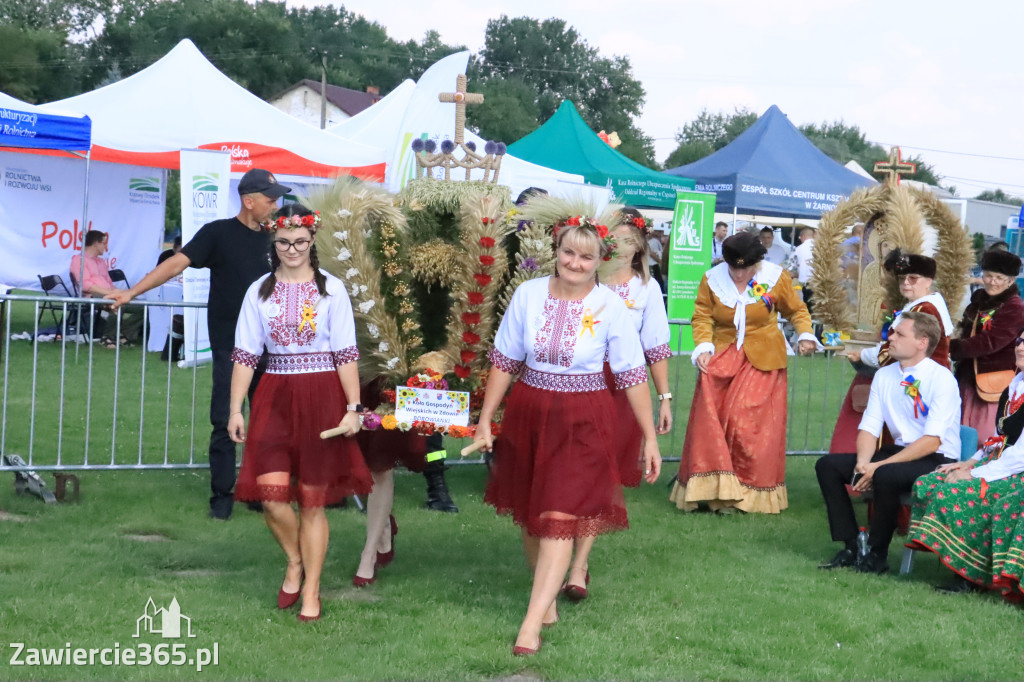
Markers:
point(774, 252)
point(918, 400)
point(721, 232)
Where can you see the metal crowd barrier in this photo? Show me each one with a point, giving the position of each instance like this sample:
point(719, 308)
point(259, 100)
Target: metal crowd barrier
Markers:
point(66, 401)
point(68, 405)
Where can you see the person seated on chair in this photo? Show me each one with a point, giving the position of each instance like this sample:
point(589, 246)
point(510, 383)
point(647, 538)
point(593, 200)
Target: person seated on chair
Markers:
point(957, 509)
point(96, 283)
point(918, 401)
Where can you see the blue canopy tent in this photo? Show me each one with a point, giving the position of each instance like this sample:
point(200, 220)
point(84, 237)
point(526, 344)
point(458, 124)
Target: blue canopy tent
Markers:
point(771, 169)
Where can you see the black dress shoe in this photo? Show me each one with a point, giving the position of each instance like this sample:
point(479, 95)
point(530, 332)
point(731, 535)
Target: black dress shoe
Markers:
point(254, 506)
point(872, 563)
point(957, 585)
point(844, 558)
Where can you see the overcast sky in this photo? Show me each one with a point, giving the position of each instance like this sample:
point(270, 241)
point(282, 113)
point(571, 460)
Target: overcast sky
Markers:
point(941, 79)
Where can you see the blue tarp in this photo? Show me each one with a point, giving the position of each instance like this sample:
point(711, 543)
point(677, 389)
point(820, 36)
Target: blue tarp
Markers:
point(771, 169)
point(27, 128)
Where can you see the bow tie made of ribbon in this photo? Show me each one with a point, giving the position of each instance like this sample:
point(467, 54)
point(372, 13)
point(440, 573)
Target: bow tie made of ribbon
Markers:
point(760, 291)
point(888, 322)
point(912, 387)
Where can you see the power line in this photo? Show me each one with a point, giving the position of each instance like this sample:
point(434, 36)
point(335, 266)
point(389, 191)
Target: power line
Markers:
point(946, 151)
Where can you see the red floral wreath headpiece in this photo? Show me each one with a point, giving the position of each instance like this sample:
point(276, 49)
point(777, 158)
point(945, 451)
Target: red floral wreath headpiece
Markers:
point(602, 232)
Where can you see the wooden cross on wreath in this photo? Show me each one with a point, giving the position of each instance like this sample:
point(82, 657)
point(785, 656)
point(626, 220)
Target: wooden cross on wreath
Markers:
point(461, 98)
point(895, 165)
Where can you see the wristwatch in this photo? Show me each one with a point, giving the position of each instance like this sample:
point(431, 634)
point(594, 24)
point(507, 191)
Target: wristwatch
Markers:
point(664, 396)
point(357, 407)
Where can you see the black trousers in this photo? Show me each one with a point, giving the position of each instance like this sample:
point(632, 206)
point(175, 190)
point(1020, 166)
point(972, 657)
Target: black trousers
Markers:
point(223, 457)
point(889, 482)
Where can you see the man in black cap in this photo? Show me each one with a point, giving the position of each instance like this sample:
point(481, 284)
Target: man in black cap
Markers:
point(237, 252)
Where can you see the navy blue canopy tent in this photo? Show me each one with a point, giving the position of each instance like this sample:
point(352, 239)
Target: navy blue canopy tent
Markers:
point(771, 169)
point(25, 126)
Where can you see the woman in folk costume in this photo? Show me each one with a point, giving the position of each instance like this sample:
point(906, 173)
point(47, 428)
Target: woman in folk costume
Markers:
point(627, 274)
point(303, 317)
point(983, 349)
point(734, 455)
point(554, 468)
point(969, 513)
point(915, 274)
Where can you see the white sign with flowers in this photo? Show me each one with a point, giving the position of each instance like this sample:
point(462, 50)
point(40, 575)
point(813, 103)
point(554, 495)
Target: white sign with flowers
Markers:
point(437, 406)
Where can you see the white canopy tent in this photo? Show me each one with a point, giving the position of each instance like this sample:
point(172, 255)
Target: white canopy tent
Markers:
point(413, 109)
point(182, 101)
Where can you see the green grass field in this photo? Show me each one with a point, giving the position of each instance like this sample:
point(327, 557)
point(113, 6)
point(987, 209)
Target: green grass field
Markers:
point(678, 596)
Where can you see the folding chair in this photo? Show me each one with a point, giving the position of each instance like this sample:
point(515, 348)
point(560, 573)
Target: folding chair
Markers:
point(117, 275)
point(48, 284)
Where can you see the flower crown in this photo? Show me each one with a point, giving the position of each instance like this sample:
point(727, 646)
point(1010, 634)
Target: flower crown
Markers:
point(311, 222)
point(641, 224)
point(602, 231)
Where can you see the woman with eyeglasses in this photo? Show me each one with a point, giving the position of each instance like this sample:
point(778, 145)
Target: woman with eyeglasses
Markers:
point(971, 514)
point(983, 351)
point(303, 317)
point(915, 274)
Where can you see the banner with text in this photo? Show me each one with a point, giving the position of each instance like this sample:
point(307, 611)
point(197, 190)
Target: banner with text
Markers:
point(41, 202)
point(205, 179)
point(440, 407)
point(689, 258)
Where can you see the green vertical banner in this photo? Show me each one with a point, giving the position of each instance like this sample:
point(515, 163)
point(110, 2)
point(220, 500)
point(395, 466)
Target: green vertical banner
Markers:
point(689, 258)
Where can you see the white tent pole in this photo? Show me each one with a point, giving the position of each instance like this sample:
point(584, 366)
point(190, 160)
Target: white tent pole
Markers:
point(81, 251)
point(734, 218)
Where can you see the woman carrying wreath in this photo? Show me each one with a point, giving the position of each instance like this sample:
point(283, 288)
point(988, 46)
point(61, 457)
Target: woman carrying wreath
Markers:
point(983, 351)
point(915, 274)
point(627, 274)
point(968, 513)
point(554, 467)
point(734, 455)
point(303, 317)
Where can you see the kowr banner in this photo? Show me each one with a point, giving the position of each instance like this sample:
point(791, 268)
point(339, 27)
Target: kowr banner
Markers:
point(41, 203)
point(205, 179)
point(689, 257)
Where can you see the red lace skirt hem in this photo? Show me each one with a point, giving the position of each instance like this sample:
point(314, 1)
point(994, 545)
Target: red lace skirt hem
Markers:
point(554, 469)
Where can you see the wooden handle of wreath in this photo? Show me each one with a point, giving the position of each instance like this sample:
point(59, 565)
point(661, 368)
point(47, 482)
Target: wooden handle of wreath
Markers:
point(331, 433)
point(472, 447)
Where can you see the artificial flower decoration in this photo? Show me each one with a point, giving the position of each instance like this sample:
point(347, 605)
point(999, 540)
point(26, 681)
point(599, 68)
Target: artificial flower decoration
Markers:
point(986, 320)
point(758, 290)
point(912, 387)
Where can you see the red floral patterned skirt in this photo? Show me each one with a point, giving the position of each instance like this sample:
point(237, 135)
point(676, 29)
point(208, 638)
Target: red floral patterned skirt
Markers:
point(554, 469)
point(627, 437)
point(289, 412)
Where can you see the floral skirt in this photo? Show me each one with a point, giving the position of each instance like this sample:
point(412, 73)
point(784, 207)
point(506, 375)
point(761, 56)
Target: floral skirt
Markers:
point(554, 469)
point(734, 454)
point(288, 413)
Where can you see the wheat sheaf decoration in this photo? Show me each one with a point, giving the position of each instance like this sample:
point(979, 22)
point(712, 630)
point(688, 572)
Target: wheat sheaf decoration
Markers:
point(350, 211)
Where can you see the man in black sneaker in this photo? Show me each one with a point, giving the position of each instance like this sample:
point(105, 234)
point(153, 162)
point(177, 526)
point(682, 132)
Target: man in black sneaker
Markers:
point(237, 251)
point(917, 399)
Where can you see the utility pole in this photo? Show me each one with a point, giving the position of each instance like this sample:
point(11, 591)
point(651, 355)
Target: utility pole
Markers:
point(323, 90)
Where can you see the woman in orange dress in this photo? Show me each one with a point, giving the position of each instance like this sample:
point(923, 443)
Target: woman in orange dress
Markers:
point(734, 455)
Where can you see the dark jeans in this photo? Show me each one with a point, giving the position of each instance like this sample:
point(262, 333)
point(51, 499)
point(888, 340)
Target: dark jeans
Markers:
point(889, 482)
point(223, 458)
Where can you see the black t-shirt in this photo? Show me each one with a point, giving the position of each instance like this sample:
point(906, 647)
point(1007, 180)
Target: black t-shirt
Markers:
point(237, 257)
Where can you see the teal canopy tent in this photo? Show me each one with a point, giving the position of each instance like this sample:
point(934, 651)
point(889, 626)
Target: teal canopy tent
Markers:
point(565, 143)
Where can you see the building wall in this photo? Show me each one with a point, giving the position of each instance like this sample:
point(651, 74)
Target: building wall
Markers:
point(984, 216)
point(304, 104)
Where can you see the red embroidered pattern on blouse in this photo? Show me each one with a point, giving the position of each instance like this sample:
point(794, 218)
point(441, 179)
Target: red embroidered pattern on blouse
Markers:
point(565, 383)
point(622, 290)
point(504, 362)
point(300, 363)
point(288, 327)
point(631, 377)
point(244, 357)
point(345, 355)
point(653, 355)
point(556, 340)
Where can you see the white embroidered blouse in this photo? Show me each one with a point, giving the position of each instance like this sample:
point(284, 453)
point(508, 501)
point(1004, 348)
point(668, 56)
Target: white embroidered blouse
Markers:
point(302, 331)
point(647, 311)
point(561, 345)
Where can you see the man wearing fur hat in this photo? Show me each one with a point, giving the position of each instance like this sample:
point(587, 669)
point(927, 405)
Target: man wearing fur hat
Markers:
point(983, 351)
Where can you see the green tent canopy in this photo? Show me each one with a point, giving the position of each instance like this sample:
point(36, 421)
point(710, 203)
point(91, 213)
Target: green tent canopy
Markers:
point(565, 143)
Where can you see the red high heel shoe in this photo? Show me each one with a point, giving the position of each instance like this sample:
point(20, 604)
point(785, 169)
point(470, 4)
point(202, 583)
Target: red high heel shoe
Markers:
point(385, 558)
point(575, 592)
point(527, 651)
point(288, 599)
point(310, 619)
point(363, 582)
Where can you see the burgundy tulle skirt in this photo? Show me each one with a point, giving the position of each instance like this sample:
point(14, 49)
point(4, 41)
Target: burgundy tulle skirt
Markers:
point(288, 413)
point(627, 438)
point(554, 468)
point(384, 450)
